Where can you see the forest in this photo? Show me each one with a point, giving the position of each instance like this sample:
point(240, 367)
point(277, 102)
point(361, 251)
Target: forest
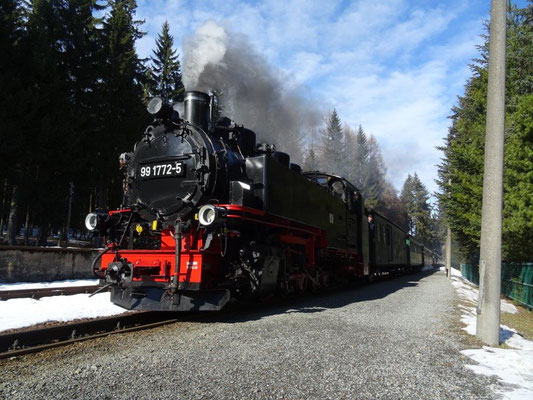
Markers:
point(74, 92)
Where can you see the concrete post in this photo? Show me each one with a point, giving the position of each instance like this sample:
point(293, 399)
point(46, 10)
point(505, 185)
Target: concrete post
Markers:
point(488, 319)
point(449, 253)
point(449, 241)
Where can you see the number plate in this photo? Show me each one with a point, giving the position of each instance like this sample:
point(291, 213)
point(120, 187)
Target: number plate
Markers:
point(160, 170)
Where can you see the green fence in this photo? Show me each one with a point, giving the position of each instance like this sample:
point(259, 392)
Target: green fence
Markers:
point(517, 280)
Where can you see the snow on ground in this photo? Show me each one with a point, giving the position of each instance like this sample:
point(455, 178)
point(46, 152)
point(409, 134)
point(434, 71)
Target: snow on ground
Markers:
point(19, 313)
point(512, 366)
point(42, 285)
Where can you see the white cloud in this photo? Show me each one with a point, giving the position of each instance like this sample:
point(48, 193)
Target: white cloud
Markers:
point(393, 66)
point(304, 64)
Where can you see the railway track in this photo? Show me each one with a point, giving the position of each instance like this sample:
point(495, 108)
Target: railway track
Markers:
point(22, 342)
point(32, 341)
point(45, 292)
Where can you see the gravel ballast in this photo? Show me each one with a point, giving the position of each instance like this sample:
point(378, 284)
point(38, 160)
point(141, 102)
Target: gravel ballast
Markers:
point(394, 339)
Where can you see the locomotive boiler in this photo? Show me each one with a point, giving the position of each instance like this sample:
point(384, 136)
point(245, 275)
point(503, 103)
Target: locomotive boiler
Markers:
point(209, 215)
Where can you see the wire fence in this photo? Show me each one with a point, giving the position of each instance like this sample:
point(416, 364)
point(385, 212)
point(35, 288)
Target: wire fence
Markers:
point(517, 280)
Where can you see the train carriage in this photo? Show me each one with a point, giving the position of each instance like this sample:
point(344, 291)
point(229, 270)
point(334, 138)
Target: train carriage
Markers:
point(390, 251)
point(416, 253)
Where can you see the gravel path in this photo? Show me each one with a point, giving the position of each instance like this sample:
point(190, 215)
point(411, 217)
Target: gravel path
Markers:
point(391, 340)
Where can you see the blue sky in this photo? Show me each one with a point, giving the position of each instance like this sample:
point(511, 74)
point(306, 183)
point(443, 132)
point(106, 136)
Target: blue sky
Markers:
point(395, 67)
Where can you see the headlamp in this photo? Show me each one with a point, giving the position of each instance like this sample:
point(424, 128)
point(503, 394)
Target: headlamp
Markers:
point(95, 220)
point(209, 214)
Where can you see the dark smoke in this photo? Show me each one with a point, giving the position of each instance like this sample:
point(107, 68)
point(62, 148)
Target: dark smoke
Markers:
point(253, 92)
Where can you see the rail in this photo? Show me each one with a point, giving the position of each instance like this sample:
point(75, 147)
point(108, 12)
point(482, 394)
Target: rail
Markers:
point(45, 292)
point(34, 340)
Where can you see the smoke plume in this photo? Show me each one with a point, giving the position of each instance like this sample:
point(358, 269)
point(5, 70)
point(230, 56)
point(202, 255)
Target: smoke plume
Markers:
point(252, 92)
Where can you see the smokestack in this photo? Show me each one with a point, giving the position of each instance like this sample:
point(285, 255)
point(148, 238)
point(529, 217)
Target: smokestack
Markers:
point(197, 109)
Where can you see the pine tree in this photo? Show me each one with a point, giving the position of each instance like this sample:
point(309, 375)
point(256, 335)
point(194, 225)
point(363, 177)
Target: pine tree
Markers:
point(333, 145)
point(124, 114)
point(415, 198)
point(11, 36)
point(464, 148)
point(376, 169)
point(82, 64)
point(518, 175)
point(52, 125)
point(13, 84)
point(364, 166)
point(391, 206)
point(311, 161)
point(438, 230)
point(358, 156)
point(518, 210)
point(362, 156)
point(166, 80)
point(349, 170)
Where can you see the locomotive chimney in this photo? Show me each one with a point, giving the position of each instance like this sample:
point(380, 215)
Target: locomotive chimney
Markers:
point(197, 109)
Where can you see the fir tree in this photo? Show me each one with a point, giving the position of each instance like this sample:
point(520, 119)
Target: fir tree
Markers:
point(391, 206)
point(364, 166)
point(12, 87)
point(349, 170)
point(333, 145)
point(13, 84)
point(166, 78)
point(370, 167)
point(54, 127)
point(464, 148)
point(415, 198)
point(124, 114)
point(518, 210)
point(311, 161)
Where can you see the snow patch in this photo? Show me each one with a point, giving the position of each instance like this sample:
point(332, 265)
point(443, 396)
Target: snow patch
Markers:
point(20, 313)
point(470, 293)
point(512, 366)
point(43, 285)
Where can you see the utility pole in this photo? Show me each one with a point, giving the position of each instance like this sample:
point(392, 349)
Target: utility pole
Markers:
point(449, 241)
point(488, 318)
point(449, 253)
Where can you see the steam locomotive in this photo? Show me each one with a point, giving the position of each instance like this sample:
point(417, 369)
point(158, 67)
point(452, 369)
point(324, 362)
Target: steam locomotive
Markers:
point(208, 215)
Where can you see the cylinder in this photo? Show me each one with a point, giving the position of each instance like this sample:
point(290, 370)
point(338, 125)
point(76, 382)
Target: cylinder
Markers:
point(197, 109)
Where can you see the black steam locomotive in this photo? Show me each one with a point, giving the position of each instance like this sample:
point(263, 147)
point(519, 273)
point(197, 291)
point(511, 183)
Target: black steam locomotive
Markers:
point(210, 215)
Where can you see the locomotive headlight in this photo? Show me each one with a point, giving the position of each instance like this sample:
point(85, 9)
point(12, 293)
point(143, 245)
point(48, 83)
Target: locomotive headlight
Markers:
point(91, 221)
point(209, 214)
point(206, 215)
point(95, 220)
